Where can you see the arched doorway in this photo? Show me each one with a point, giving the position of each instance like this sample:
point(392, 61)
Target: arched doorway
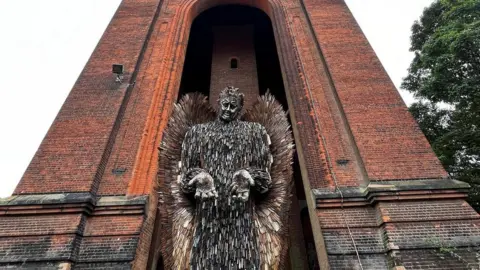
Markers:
point(202, 67)
point(235, 44)
point(238, 35)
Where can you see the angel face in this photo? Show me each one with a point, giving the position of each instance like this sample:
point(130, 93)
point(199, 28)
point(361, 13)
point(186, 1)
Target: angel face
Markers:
point(230, 107)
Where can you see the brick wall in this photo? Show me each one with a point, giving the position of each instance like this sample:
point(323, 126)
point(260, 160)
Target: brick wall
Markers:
point(73, 154)
point(459, 259)
point(415, 234)
point(234, 42)
point(47, 230)
point(389, 141)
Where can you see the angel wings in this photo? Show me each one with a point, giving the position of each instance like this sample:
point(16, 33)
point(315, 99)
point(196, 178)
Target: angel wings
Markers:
point(179, 216)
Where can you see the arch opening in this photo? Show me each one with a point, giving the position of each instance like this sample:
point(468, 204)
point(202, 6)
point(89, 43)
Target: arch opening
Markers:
point(245, 32)
point(219, 38)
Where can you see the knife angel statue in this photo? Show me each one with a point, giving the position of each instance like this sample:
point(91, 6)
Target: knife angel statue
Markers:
point(225, 180)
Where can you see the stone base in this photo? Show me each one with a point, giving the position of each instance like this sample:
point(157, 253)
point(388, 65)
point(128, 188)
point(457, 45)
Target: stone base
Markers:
point(71, 231)
point(418, 224)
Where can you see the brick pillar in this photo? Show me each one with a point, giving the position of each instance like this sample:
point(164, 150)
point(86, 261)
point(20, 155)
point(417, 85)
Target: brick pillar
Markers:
point(406, 212)
point(234, 43)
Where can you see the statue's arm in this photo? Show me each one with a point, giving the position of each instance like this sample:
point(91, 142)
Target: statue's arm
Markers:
point(257, 175)
point(259, 168)
point(192, 177)
point(189, 162)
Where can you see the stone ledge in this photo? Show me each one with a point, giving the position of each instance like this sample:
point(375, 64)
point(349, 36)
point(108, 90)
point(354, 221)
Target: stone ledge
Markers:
point(72, 203)
point(41, 199)
point(391, 190)
point(121, 200)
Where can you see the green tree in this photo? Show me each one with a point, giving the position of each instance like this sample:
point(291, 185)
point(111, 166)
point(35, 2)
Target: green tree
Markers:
point(445, 77)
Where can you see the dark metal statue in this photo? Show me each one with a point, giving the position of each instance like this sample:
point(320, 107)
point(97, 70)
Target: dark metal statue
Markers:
point(225, 184)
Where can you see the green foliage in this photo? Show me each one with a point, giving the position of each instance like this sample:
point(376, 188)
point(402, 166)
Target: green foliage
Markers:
point(445, 77)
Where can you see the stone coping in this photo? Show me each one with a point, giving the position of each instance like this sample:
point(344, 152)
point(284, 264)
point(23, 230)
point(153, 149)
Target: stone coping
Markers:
point(393, 186)
point(72, 198)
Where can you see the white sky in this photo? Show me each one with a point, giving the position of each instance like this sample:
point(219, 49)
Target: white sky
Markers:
point(45, 45)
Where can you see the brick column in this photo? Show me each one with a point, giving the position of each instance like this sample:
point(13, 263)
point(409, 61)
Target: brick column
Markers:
point(408, 213)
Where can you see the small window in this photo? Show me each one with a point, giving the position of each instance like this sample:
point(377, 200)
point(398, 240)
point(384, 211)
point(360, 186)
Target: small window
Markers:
point(233, 63)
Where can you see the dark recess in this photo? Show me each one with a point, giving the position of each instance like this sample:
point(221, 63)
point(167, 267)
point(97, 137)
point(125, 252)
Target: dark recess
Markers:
point(198, 61)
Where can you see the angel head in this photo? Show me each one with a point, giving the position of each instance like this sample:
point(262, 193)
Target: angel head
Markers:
point(230, 104)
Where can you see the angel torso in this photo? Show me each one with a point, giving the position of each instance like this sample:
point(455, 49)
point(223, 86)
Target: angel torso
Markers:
point(224, 235)
point(224, 148)
point(224, 184)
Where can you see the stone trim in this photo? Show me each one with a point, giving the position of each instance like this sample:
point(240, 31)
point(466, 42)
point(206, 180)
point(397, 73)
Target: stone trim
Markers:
point(423, 189)
point(72, 203)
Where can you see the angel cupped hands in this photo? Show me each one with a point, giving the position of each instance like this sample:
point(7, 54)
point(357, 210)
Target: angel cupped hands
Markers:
point(239, 187)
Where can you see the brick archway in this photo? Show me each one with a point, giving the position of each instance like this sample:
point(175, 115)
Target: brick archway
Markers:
point(167, 83)
point(179, 29)
point(167, 59)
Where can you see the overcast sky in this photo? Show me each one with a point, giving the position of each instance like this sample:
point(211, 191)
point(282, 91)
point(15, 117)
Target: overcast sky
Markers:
point(45, 45)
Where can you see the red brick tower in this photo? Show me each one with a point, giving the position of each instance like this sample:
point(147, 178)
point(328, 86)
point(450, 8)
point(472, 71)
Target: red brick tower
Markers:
point(371, 189)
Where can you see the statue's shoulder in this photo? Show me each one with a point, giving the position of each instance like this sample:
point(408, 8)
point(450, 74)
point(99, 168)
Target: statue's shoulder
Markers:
point(256, 127)
point(197, 128)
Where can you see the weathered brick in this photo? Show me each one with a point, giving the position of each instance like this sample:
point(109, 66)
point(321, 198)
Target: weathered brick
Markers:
point(107, 248)
point(36, 248)
point(370, 262)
